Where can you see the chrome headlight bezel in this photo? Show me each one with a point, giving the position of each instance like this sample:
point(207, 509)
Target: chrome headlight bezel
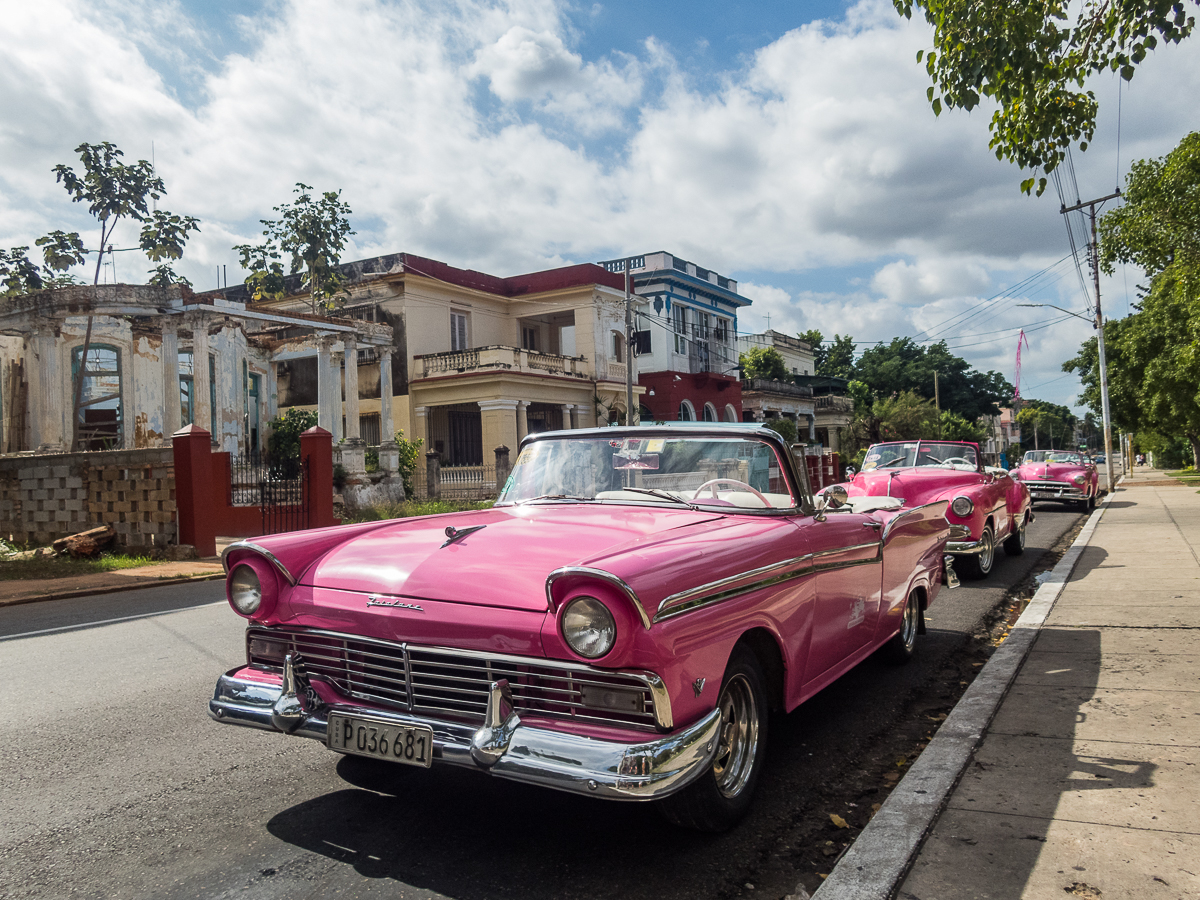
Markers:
point(962, 506)
point(588, 627)
point(244, 589)
point(1079, 479)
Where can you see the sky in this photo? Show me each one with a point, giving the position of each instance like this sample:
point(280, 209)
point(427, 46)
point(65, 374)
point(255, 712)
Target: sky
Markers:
point(788, 145)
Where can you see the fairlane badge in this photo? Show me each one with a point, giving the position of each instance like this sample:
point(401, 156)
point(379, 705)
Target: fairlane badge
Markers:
point(399, 604)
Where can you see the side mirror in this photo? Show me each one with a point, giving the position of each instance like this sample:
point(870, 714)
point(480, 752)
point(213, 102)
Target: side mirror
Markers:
point(836, 496)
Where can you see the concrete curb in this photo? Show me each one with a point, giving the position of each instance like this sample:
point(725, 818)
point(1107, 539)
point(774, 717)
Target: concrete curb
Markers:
point(877, 862)
point(113, 589)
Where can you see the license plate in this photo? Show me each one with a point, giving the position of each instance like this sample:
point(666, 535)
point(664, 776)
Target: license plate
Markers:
point(408, 744)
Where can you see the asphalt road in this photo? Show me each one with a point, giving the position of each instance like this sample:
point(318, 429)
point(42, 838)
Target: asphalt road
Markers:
point(116, 784)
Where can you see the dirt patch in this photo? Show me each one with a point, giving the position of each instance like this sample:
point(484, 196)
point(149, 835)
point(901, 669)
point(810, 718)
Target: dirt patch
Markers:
point(836, 817)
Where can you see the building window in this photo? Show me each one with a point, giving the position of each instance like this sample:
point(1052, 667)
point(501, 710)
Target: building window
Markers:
point(730, 413)
point(529, 338)
point(679, 321)
point(618, 346)
point(458, 331)
point(687, 413)
point(187, 399)
point(721, 329)
point(368, 429)
point(710, 413)
point(100, 410)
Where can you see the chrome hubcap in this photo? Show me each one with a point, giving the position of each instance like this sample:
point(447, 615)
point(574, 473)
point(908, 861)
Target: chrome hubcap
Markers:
point(908, 629)
point(1021, 536)
point(738, 747)
point(988, 551)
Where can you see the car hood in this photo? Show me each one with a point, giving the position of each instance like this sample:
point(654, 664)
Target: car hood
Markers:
point(1050, 471)
point(916, 486)
point(505, 563)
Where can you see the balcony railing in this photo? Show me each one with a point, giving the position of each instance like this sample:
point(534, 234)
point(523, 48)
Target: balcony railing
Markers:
point(499, 358)
point(769, 386)
point(607, 370)
point(835, 404)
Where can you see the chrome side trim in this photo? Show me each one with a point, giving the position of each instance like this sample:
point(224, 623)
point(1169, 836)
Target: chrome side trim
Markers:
point(261, 551)
point(850, 563)
point(616, 770)
point(600, 574)
point(733, 586)
point(908, 512)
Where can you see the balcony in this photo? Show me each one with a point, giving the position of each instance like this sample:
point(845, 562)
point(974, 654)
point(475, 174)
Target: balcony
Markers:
point(835, 404)
point(498, 358)
point(784, 388)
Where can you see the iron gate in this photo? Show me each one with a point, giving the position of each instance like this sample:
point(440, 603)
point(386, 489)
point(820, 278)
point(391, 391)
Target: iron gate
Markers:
point(279, 489)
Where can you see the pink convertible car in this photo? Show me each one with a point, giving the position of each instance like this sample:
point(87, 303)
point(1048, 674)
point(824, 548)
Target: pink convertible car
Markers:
point(617, 625)
point(1061, 475)
point(986, 507)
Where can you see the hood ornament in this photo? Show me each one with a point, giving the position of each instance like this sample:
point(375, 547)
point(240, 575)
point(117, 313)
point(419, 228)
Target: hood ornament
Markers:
point(698, 686)
point(457, 534)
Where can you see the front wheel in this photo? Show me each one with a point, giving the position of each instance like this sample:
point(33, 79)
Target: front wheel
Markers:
point(1014, 544)
point(721, 796)
point(978, 565)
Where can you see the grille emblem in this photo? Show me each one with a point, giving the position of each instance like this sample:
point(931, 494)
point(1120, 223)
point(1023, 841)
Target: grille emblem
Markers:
point(373, 600)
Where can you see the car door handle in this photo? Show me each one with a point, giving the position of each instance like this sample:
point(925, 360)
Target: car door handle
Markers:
point(875, 525)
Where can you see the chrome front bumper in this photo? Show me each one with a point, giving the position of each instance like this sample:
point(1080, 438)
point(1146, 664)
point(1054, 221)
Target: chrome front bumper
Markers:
point(962, 547)
point(504, 746)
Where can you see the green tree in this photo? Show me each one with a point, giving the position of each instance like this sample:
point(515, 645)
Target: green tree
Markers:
point(410, 458)
point(113, 191)
point(763, 362)
point(955, 428)
point(904, 365)
point(18, 274)
point(834, 360)
point(900, 417)
point(1031, 61)
point(283, 443)
point(785, 428)
point(311, 233)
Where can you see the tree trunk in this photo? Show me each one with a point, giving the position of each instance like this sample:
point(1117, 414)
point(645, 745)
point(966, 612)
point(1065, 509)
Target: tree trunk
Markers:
point(1195, 441)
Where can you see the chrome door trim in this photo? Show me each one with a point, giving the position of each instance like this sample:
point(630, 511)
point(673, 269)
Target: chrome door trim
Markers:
point(733, 586)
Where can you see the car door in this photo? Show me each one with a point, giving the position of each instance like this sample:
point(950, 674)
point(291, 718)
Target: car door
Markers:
point(847, 579)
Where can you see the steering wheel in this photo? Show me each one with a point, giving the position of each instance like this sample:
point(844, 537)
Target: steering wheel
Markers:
point(712, 486)
point(957, 461)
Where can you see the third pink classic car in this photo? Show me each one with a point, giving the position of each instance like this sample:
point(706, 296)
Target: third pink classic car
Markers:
point(986, 507)
point(1060, 475)
point(617, 625)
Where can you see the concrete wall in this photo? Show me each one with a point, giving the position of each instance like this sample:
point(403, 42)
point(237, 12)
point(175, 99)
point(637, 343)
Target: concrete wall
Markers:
point(43, 498)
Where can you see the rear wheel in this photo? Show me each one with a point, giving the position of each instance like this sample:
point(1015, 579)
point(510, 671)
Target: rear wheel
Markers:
point(721, 796)
point(1014, 544)
point(899, 649)
point(978, 565)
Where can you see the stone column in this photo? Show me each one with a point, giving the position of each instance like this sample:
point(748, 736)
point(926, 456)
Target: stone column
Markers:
point(812, 428)
point(353, 449)
point(201, 384)
point(46, 393)
point(172, 410)
point(499, 422)
point(433, 480)
point(566, 412)
point(389, 451)
point(522, 420)
point(329, 389)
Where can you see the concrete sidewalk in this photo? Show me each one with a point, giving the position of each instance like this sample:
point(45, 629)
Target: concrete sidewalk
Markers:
point(1088, 779)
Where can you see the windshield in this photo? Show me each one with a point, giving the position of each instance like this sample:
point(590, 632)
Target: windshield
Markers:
point(906, 454)
point(700, 470)
point(1055, 456)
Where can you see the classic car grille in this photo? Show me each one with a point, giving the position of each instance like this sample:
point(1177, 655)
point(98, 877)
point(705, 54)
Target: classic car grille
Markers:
point(451, 684)
point(1054, 486)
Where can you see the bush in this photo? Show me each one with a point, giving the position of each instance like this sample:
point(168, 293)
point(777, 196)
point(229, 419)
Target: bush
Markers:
point(410, 457)
point(411, 508)
point(786, 428)
point(283, 445)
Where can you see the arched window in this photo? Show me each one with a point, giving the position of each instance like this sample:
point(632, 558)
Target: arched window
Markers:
point(100, 407)
point(618, 346)
point(730, 413)
point(710, 413)
point(687, 412)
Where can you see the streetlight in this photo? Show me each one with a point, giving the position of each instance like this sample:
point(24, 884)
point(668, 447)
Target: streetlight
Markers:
point(1099, 326)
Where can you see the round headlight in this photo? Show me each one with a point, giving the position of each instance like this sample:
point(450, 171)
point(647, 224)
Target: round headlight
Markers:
point(962, 506)
point(1079, 479)
point(588, 627)
point(245, 590)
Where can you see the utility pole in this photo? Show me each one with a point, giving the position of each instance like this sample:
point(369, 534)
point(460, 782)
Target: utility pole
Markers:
point(1099, 326)
point(629, 417)
point(937, 402)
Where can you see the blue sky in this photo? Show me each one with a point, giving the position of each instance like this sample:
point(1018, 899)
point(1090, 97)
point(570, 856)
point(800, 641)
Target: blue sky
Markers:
point(787, 145)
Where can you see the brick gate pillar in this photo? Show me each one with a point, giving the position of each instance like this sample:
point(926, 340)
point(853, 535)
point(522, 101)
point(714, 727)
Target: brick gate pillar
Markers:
point(194, 489)
point(316, 452)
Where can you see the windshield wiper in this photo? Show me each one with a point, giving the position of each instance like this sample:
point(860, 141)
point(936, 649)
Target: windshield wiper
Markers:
point(558, 497)
point(662, 495)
